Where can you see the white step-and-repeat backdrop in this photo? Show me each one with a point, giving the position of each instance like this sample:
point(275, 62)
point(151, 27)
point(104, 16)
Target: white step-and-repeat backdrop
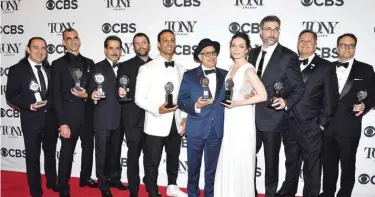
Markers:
point(191, 20)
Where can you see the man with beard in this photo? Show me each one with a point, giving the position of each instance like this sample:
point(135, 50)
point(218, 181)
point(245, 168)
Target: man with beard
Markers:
point(309, 118)
point(107, 114)
point(157, 80)
point(133, 117)
point(70, 76)
point(277, 66)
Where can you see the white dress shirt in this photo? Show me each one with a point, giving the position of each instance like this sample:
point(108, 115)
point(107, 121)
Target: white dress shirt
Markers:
point(212, 85)
point(115, 68)
point(343, 74)
point(308, 62)
point(267, 56)
point(35, 70)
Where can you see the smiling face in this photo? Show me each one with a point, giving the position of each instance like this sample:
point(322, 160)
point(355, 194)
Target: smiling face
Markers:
point(208, 57)
point(306, 45)
point(238, 48)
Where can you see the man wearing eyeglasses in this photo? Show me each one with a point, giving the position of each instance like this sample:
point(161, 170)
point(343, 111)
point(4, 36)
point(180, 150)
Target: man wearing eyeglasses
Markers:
point(340, 141)
point(277, 66)
point(70, 77)
point(204, 128)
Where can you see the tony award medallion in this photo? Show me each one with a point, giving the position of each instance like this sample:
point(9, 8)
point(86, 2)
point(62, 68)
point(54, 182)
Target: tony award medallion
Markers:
point(78, 76)
point(124, 82)
point(277, 88)
point(34, 87)
point(229, 84)
point(361, 95)
point(206, 90)
point(168, 94)
point(99, 80)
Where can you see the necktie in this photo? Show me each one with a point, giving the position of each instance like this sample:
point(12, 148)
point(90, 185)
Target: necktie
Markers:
point(345, 65)
point(304, 62)
point(207, 72)
point(260, 67)
point(171, 64)
point(43, 87)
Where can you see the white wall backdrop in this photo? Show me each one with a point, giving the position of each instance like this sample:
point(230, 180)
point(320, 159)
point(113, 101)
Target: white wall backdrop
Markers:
point(191, 20)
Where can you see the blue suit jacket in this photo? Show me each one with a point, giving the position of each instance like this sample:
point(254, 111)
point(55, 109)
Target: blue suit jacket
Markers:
point(199, 124)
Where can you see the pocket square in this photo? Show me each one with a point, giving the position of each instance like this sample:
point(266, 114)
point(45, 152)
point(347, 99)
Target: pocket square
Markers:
point(357, 79)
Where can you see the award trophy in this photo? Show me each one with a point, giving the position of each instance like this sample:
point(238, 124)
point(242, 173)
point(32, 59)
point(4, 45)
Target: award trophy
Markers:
point(34, 87)
point(99, 79)
point(277, 88)
point(124, 82)
point(168, 94)
point(206, 90)
point(361, 95)
point(77, 76)
point(229, 84)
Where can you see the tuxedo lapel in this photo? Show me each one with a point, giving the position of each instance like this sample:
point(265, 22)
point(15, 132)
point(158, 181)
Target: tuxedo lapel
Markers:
point(349, 81)
point(253, 60)
point(306, 73)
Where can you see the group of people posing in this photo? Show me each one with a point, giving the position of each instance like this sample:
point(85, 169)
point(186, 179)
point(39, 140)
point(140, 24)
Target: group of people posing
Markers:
point(268, 96)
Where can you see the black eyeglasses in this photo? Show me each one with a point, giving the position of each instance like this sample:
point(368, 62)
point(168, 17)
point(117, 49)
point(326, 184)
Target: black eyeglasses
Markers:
point(209, 54)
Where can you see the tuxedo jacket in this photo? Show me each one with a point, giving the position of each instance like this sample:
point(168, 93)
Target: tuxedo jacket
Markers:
point(18, 93)
point(282, 66)
point(132, 115)
point(70, 109)
point(199, 124)
point(361, 77)
point(150, 95)
point(319, 101)
point(107, 111)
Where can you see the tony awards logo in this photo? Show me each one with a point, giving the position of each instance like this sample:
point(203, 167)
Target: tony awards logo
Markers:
point(277, 88)
point(206, 90)
point(168, 94)
point(229, 84)
point(124, 82)
point(99, 80)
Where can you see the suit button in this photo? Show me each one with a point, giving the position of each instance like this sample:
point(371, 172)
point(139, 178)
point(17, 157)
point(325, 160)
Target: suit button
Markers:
point(45, 110)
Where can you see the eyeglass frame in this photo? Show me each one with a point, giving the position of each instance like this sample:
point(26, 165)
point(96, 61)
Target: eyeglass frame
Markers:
point(209, 54)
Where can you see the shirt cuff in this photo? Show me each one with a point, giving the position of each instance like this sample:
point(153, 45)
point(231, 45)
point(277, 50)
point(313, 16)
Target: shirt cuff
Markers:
point(31, 108)
point(196, 109)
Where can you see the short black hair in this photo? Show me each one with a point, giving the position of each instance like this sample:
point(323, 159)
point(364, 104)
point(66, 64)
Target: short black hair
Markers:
point(69, 30)
point(349, 35)
point(243, 36)
point(164, 31)
point(309, 31)
point(141, 35)
point(112, 37)
point(271, 18)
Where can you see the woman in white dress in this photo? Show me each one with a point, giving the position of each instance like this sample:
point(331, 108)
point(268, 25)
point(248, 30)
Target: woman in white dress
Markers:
point(236, 166)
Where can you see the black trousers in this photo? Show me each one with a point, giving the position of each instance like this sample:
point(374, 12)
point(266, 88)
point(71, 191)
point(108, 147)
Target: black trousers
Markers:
point(68, 146)
point(107, 156)
point(45, 138)
point(135, 143)
point(306, 146)
point(153, 152)
point(337, 149)
point(87, 145)
point(271, 144)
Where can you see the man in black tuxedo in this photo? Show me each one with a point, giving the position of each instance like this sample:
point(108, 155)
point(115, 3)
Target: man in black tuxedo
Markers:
point(309, 118)
point(29, 82)
point(340, 141)
point(274, 62)
point(107, 114)
point(70, 75)
point(133, 117)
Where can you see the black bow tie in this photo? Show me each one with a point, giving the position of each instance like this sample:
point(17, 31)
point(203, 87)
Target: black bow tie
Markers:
point(171, 64)
point(114, 64)
point(304, 62)
point(345, 65)
point(207, 72)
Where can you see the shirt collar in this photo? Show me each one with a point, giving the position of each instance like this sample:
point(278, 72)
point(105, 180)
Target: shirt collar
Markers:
point(110, 61)
point(205, 68)
point(270, 49)
point(32, 63)
point(310, 58)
